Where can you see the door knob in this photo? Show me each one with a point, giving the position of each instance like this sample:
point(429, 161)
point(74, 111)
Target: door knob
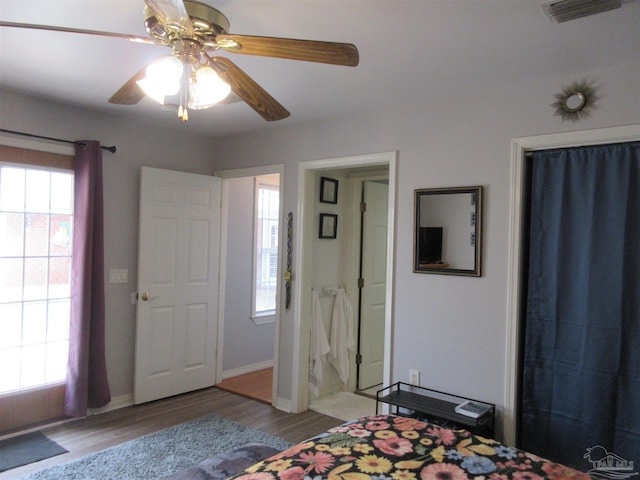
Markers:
point(146, 297)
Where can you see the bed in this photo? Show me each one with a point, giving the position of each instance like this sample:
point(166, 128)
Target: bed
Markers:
point(400, 448)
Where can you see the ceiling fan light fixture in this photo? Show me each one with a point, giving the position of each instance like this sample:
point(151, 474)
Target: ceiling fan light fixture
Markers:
point(193, 29)
point(162, 79)
point(206, 89)
point(168, 69)
point(152, 90)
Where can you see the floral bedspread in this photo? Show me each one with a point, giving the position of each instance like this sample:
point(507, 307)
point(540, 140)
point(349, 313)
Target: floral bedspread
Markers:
point(388, 447)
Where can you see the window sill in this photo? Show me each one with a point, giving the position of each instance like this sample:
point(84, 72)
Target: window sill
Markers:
point(264, 319)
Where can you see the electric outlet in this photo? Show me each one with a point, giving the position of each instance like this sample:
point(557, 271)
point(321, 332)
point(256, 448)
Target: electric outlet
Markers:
point(414, 377)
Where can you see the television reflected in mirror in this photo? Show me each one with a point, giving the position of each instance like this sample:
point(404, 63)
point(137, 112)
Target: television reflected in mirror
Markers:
point(430, 245)
point(448, 231)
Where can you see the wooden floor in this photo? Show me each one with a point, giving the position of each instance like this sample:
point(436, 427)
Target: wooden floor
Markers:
point(256, 385)
point(98, 432)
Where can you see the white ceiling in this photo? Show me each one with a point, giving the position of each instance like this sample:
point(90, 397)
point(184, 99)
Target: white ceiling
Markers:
point(410, 51)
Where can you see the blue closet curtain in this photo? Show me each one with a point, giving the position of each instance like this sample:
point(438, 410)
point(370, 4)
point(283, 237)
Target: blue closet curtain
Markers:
point(581, 371)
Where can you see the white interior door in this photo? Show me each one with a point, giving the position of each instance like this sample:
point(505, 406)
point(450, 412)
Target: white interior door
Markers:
point(178, 264)
point(373, 293)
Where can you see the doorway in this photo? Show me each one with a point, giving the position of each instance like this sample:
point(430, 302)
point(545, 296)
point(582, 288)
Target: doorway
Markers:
point(348, 253)
point(250, 266)
point(580, 334)
point(515, 285)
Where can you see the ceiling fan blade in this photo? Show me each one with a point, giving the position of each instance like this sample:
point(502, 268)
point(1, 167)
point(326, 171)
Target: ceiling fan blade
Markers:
point(171, 13)
point(130, 93)
point(307, 50)
point(51, 28)
point(248, 90)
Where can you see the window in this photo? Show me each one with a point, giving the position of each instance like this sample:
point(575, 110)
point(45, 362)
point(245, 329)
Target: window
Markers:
point(265, 265)
point(36, 228)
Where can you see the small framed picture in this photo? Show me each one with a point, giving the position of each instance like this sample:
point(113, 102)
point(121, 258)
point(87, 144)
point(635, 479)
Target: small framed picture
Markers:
point(328, 225)
point(328, 190)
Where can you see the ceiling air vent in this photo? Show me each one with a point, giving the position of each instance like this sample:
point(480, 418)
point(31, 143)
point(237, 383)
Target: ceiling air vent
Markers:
point(565, 10)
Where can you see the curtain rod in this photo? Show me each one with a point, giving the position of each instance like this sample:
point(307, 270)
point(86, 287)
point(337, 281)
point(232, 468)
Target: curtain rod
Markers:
point(112, 149)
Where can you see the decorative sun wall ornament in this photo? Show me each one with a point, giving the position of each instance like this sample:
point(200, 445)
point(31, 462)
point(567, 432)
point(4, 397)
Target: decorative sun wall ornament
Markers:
point(576, 101)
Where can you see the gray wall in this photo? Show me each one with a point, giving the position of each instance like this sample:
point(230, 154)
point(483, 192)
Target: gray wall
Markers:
point(450, 328)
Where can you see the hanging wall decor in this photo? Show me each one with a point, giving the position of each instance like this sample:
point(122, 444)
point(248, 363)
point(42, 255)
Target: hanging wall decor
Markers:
point(328, 190)
point(328, 225)
point(288, 276)
point(576, 101)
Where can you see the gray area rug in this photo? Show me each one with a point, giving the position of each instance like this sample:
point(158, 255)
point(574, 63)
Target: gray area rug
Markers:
point(162, 453)
point(26, 449)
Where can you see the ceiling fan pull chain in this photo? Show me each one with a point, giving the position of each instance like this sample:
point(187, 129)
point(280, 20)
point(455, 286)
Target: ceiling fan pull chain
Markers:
point(183, 112)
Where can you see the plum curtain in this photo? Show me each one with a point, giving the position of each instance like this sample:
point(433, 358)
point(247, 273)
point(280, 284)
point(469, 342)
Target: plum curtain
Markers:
point(581, 371)
point(87, 384)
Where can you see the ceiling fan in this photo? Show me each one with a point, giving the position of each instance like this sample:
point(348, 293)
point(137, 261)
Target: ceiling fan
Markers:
point(194, 30)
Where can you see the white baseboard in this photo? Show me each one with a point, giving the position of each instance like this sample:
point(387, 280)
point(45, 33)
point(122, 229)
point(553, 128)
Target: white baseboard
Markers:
point(120, 401)
point(126, 400)
point(283, 404)
point(254, 367)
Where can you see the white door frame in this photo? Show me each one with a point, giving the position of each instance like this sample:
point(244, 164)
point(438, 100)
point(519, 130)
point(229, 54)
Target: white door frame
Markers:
point(302, 284)
point(519, 148)
point(240, 173)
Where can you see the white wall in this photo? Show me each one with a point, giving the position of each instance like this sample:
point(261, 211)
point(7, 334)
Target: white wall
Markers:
point(450, 328)
point(329, 266)
point(137, 145)
point(248, 343)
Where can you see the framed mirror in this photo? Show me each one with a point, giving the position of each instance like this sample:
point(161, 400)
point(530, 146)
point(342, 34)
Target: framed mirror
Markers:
point(448, 231)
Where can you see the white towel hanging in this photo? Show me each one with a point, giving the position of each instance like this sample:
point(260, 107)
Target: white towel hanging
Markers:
point(342, 339)
point(319, 340)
